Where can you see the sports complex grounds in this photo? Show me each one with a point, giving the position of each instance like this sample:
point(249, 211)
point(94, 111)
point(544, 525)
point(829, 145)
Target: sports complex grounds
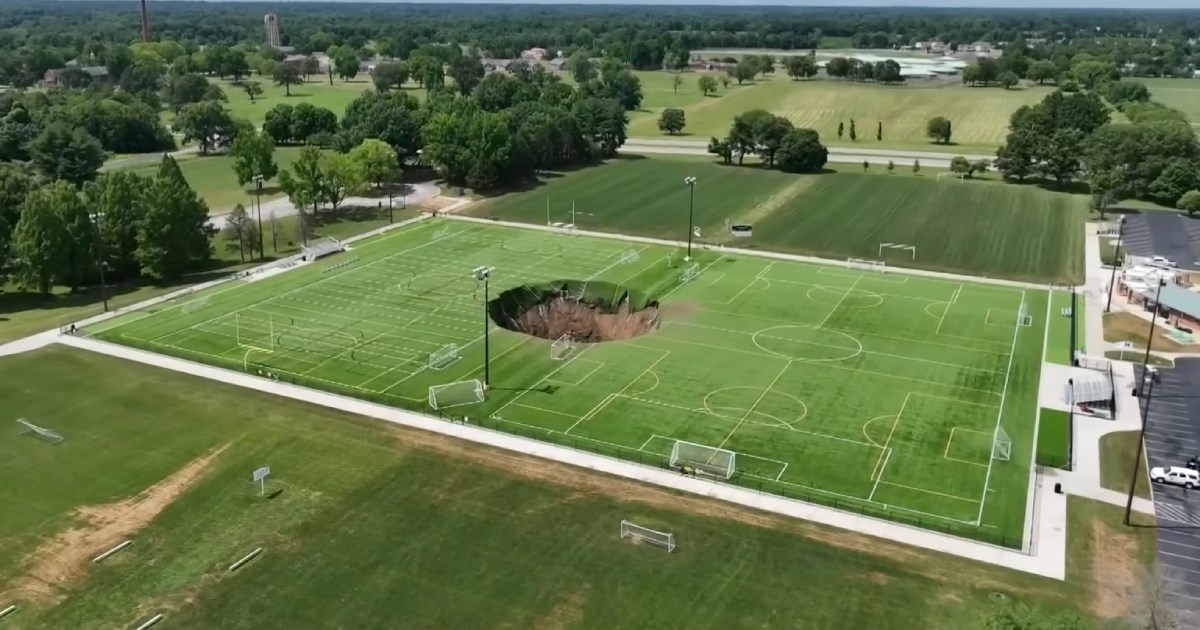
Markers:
point(862, 387)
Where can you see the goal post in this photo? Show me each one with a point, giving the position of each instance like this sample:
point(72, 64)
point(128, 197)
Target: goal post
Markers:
point(1023, 316)
point(638, 533)
point(903, 247)
point(867, 264)
point(691, 272)
point(1001, 445)
point(253, 333)
point(562, 347)
point(444, 356)
point(47, 434)
point(449, 395)
point(707, 460)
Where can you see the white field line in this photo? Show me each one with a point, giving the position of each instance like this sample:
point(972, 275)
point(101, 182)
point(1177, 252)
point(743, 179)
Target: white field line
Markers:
point(831, 288)
point(576, 357)
point(761, 396)
point(886, 453)
point(946, 311)
point(758, 276)
point(1000, 414)
point(839, 303)
point(611, 397)
point(681, 284)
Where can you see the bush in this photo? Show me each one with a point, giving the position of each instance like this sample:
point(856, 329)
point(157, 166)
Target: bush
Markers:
point(801, 152)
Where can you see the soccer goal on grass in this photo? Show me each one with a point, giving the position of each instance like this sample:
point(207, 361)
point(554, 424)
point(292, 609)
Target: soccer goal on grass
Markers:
point(868, 264)
point(49, 435)
point(691, 272)
point(629, 256)
point(705, 460)
point(455, 394)
point(1001, 445)
point(440, 359)
point(637, 533)
point(1023, 316)
point(561, 347)
point(250, 331)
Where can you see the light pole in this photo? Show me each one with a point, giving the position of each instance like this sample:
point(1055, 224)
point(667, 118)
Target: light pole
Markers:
point(258, 182)
point(690, 182)
point(1112, 282)
point(1146, 376)
point(96, 216)
point(390, 191)
point(483, 274)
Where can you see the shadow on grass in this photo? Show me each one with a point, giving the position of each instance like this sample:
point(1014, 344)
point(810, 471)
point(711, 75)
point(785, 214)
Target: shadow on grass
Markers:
point(19, 300)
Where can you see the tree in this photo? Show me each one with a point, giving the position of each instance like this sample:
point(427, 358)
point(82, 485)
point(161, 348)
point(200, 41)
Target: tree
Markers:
point(253, 156)
point(207, 123)
point(346, 64)
point(707, 84)
point(1008, 79)
point(866, 166)
point(303, 184)
point(377, 162)
point(1041, 71)
point(182, 89)
point(71, 155)
point(16, 182)
point(853, 131)
point(394, 118)
point(1090, 74)
point(838, 67)
point(801, 67)
point(938, 129)
point(1015, 159)
point(286, 76)
point(1189, 202)
point(671, 121)
point(1179, 176)
point(743, 71)
point(841, 129)
point(960, 165)
point(341, 176)
point(725, 81)
point(1059, 157)
point(174, 233)
point(676, 81)
point(916, 167)
point(972, 74)
point(310, 66)
point(722, 149)
point(467, 72)
point(119, 198)
point(38, 243)
point(879, 132)
point(389, 76)
point(237, 228)
point(801, 151)
point(253, 89)
point(891, 167)
point(581, 67)
point(979, 166)
point(1122, 92)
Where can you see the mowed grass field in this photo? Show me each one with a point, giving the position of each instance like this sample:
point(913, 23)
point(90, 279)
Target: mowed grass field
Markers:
point(372, 526)
point(213, 179)
point(980, 228)
point(766, 359)
point(979, 115)
point(316, 91)
point(1182, 94)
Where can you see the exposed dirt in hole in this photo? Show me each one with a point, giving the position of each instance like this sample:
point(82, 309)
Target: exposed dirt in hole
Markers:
point(64, 559)
point(1116, 588)
point(566, 613)
point(585, 323)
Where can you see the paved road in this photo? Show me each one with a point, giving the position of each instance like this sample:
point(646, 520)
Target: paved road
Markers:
point(283, 207)
point(836, 154)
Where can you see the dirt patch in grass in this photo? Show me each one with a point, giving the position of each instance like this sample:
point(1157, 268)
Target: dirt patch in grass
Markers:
point(566, 612)
point(776, 202)
point(61, 561)
point(1116, 588)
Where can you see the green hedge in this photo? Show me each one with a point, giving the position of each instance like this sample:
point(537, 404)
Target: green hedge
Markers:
point(1054, 439)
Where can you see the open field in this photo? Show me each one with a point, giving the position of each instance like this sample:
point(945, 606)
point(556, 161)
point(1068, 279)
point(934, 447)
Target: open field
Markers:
point(373, 523)
point(1117, 451)
point(981, 228)
point(979, 115)
point(767, 359)
point(316, 91)
point(1182, 94)
point(1053, 438)
point(212, 178)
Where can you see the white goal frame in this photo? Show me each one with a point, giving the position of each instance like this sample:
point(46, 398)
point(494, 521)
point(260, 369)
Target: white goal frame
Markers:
point(691, 272)
point(191, 306)
point(868, 264)
point(473, 388)
point(441, 358)
point(1023, 316)
point(49, 435)
point(911, 249)
point(638, 533)
point(962, 177)
point(629, 256)
point(705, 460)
point(1001, 445)
point(562, 347)
point(237, 334)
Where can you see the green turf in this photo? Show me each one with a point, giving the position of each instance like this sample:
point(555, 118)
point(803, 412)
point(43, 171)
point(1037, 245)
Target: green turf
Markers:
point(1058, 345)
point(981, 228)
point(1182, 94)
point(375, 525)
point(316, 91)
point(1054, 434)
point(212, 178)
point(768, 359)
point(1117, 451)
point(979, 115)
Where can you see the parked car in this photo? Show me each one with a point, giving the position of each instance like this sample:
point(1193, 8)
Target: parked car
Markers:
point(1176, 476)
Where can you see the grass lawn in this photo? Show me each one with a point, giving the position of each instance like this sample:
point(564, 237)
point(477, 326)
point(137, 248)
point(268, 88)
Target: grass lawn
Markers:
point(1058, 346)
point(1136, 356)
point(1054, 438)
point(1121, 326)
point(1182, 94)
point(979, 115)
point(766, 359)
point(1110, 253)
point(316, 91)
point(369, 523)
point(1117, 451)
point(213, 179)
point(982, 228)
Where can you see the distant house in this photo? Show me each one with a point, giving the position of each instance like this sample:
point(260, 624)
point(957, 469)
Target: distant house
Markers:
point(980, 47)
point(54, 76)
point(557, 63)
point(296, 62)
point(1196, 74)
point(534, 54)
point(497, 65)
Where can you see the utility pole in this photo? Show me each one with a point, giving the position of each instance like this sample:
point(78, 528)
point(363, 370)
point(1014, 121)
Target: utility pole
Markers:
point(258, 182)
point(1112, 282)
point(1145, 410)
point(483, 274)
point(96, 218)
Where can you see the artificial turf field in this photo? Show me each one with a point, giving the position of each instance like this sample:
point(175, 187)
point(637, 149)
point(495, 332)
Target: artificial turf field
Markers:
point(874, 391)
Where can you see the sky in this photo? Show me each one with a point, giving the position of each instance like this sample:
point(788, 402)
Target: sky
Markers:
point(997, 4)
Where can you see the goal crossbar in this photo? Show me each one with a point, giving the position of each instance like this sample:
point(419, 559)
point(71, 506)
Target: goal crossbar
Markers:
point(444, 356)
point(691, 272)
point(562, 347)
point(1001, 445)
point(706, 460)
point(467, 392)
point(638, 533)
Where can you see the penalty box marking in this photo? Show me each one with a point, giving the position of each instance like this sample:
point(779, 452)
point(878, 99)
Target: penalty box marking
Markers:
point(950, 440)
point(580, 380)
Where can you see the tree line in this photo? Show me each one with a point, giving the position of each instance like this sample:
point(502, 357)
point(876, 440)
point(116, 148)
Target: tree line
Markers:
point(774, 140)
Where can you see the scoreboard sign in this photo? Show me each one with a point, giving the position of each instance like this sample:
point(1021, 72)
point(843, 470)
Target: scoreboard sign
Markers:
point(741, 231)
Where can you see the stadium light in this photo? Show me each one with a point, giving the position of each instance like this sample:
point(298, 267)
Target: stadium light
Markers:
point(1112, 281)
point(690, 182)
point(1149, 392)
point(97, 216)
point(483, 274)
point(258, 182)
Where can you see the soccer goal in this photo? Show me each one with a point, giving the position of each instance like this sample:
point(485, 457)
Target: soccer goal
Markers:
point(705, 460)
point(44, 433)
point(194, 305)
point(1001, 445)
point(455, 394)
point(637, 533)
point(901, 247)
point(562, 347)
point(1023, 316)
point(691, 272)
point(443, 357)
point(868, 264)
point(629, 256)
point(251, 332)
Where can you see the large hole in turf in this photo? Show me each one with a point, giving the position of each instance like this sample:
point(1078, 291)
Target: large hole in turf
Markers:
point(587, 311)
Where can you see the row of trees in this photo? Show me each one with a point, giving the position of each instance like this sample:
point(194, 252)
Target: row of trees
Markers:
point(774, 140)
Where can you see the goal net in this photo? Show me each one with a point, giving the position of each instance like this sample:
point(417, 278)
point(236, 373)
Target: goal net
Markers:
point(1023, 316)
point(637, 533)
point(1001, 445)
point(690, 272)
point(455, 394)
point(254, 331)
point(707, 460)
point(443, 357)
point(562, 347)
point(43, 433)
point(867, 264)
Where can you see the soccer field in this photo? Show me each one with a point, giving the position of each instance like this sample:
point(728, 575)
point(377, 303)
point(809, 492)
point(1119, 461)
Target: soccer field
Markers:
point(875, 392)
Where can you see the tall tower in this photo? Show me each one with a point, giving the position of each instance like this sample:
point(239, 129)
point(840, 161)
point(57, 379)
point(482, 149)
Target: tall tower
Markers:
point(271, 23)
point(145, 23)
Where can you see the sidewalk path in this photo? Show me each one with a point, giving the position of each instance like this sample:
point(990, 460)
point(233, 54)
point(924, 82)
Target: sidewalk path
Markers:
point(283, 207)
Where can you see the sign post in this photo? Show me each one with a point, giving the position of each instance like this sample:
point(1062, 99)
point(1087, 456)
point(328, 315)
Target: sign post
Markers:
point(260, 476)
